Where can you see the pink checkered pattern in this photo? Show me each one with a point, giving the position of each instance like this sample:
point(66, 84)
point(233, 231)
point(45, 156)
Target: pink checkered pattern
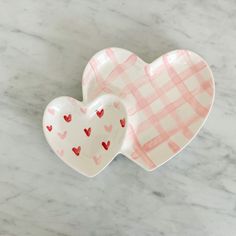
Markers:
point(167, 100)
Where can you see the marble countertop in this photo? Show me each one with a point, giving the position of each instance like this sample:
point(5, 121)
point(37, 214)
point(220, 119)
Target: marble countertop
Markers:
point(44, 47)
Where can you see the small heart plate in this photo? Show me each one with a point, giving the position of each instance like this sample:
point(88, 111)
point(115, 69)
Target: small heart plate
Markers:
point(87, 137)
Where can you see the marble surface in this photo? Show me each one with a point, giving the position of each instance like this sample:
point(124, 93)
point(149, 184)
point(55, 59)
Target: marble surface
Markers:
point(44, 47)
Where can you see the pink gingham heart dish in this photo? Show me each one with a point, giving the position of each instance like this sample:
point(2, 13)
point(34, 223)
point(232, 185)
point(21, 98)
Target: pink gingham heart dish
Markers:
point(167, 101)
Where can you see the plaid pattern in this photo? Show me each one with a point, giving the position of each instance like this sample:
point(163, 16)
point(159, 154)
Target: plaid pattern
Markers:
point(167, 101)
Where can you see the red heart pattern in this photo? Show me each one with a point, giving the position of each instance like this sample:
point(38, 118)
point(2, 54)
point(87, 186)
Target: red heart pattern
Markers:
point(122, 122)
point(76, 150)
point(87, 137)
point(88, 131)
point(67, 118)
point(106, 145)
point(100, 113)
point(49, 128)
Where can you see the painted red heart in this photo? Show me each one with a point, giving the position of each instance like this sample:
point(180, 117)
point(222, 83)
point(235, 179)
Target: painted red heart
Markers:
point(122, 122)
point(88, 131)
point(76, 150)
point(106, 145)
point(49, 128)
point(67, 118)
point(100, 113)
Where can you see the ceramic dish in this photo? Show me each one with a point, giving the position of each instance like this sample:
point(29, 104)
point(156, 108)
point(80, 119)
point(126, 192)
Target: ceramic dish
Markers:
point(152, 111)
point(87, 137)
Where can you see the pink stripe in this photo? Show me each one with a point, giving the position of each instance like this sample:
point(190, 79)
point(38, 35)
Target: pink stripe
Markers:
point(189, 98)
point(163, 113)
point(88, 75)
point(111, 55)
point(121, 68)
point(201, 79)
point(94, 65)
point(166, 102)
point(166, 87)
point(156, 141)
point(139, 151)
point(173, 146)
point(102, 87)
point(116, 72)
point(163, 135)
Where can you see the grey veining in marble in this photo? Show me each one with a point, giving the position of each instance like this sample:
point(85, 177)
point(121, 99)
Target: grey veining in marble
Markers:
point(44, 47)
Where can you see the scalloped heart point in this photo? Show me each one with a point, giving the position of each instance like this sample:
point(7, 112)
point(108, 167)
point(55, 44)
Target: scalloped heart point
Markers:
point(148, 112)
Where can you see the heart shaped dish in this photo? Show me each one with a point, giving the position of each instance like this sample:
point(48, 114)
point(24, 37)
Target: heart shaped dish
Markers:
point(148, 112)
point(87, 137)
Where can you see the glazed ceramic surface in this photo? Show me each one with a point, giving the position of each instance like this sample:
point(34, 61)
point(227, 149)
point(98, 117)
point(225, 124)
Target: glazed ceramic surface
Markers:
point(167, 101)
point(85, 136)
point(163, 105)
